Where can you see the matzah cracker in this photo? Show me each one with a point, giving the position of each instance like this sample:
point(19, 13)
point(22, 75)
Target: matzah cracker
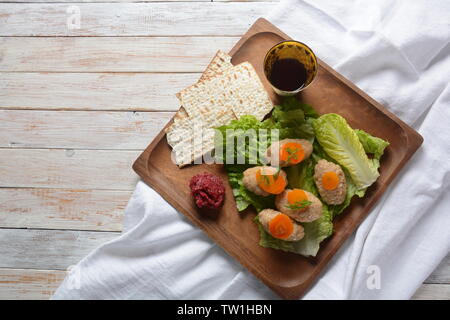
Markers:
point(180, 134)
point(179, 137)
point(191, 138)
point(181, 114)
point(223, 93)
point(238, 88)
point(220, 63)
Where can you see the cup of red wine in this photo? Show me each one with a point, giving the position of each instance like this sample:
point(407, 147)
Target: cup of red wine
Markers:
point(290, 67)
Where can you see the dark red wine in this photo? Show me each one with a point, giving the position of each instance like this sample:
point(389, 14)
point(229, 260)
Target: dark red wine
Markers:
point(288, 74)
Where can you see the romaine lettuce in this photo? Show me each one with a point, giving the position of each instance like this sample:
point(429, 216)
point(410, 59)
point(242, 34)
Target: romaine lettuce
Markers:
point(372, 145)
point(302, 176)
point(342, 144)
point(335, 141)
point(291, 119)
point(247, 148)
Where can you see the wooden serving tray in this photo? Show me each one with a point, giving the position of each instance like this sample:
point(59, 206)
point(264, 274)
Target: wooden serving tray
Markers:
point(287, 274)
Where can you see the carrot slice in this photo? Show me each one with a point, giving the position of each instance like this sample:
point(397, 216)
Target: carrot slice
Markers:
point(281, 226)
point(271, 183)
point(292, 152)
point(330, 180)
point(297, 200)
point(296, 195)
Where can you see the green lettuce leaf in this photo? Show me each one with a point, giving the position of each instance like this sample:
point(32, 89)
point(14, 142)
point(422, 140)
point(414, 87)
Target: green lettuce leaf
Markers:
point(236, 131)
point(342, 144)
point(372, 145)
point(335, 142)
point(248, 148)
point(291, 119)
point(301, 176)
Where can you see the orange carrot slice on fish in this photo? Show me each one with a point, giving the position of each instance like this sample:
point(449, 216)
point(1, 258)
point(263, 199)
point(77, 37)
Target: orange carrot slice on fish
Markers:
point(297, 200)
point(296, 195)
point(281, 226)
point(272, 183)
point(330, 180)
point(292, 153)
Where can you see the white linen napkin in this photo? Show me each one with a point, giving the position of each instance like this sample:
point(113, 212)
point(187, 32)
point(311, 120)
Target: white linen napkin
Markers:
point(399, 53)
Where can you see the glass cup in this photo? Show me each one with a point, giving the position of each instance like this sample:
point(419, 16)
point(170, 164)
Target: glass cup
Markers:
point(292, 50)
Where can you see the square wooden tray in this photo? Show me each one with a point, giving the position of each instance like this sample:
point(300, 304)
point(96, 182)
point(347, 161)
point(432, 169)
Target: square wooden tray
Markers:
point(287, 274)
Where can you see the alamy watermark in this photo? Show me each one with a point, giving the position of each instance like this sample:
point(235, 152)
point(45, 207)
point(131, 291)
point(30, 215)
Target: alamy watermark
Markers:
point(234, 146)
point(74, 20)
point(373, 281)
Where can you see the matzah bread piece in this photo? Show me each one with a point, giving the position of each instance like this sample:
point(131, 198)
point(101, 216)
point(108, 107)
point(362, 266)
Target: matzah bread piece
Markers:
point(223, 93)
point(190, 138)
point(180, 115)
point(180, 134)
point(238, 88)
point(220, 63)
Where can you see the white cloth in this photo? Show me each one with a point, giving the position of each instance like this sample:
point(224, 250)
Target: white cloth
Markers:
point(396, 51)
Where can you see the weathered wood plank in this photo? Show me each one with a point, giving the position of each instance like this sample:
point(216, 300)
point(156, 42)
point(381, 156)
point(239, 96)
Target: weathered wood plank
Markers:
point(130, 19)
point(110, 54)
point(62, 209)
point(93, 91)
point(442, 273)
point(47, 249)
point(29, 284)
point(71, 169)
point(433, 292)
point(80, 129)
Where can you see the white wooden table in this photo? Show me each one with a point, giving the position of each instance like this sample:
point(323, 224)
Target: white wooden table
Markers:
point(77, 106)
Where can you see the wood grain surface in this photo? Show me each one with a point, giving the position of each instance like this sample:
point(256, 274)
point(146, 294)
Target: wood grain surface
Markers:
point(38, 249)
point(126, 57)
point(29, 284)
point(76, 209)
point(68, 168)
point(93, 91)
point(110, 54)
point(129, 130)
point(132, 19)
